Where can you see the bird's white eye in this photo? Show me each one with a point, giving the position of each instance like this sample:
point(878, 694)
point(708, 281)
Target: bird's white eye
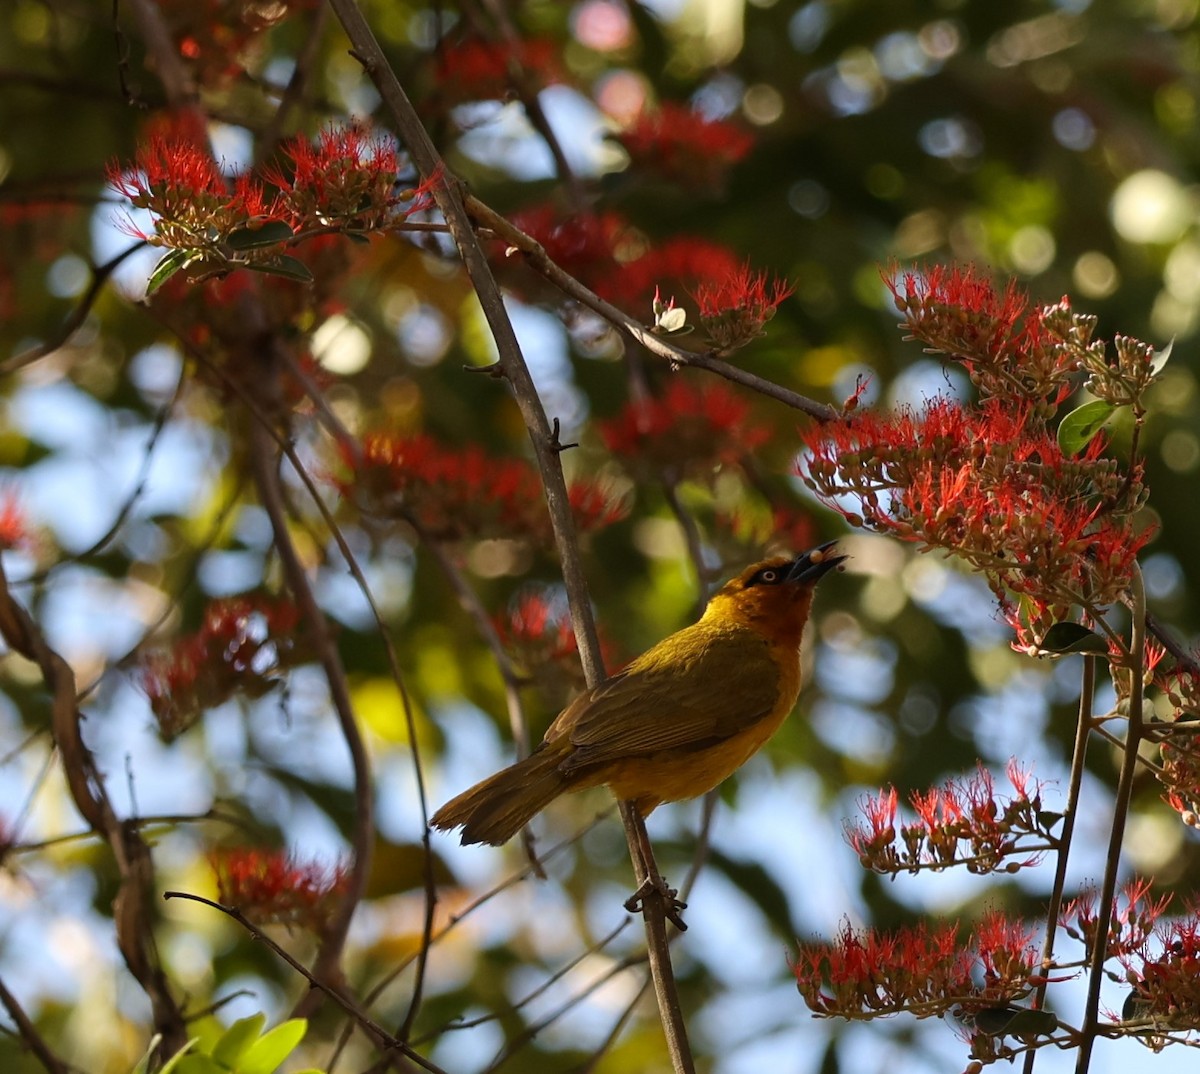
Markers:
point(769, 576)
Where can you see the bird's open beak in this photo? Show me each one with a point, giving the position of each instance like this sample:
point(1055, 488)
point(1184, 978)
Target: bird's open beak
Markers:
point(811, 566)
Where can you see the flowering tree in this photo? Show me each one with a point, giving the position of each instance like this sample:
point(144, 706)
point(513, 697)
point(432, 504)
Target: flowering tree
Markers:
point(379, 376)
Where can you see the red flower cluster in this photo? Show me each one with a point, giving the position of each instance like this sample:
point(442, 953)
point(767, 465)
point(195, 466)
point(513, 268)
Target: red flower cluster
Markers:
point(1131, 924)
point(682, 146)
point(344, 182)
point(922, 970)
point(274, 887)
point(610, 257)
point(1166, 979)
point(735, 309)
point(1180, 775)
point(958, 824)
point(1015, 354)
point(242, 647)
point(686, 428)
point(460, 493)
point(992, 486)
point(474, 70)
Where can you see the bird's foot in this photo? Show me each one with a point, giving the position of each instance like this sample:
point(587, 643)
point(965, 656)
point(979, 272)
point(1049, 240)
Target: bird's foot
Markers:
point(673, 906)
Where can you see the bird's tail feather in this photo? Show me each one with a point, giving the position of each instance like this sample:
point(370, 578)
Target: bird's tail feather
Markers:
point(496, 809)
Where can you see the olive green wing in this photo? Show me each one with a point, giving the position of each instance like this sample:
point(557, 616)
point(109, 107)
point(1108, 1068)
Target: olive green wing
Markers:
point(693, 690)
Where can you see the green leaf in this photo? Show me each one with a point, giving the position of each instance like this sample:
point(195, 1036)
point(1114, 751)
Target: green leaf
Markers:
point(1160, 358)
point(200, 1064)
point(1076, 430)
point(1014, 1021)
point(143, 1064)
point(1047, 818)
point(270, 1050)
point(252, 238)
point(169, 264)
point(237, 1038)
point(289, 268)
point(1063, 638)
point(172, 1064)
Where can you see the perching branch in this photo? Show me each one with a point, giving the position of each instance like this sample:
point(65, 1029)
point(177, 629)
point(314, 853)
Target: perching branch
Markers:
point(516, 372)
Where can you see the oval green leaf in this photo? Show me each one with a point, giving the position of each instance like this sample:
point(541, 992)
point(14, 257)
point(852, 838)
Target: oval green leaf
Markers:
point(237, 1038)
point(1160, 358)
point(290, 268)
point(265, 1055)
point(1015, 1022)
point(1076, 430)
point(168, 265)
point(252, 238)
point(1063, 638)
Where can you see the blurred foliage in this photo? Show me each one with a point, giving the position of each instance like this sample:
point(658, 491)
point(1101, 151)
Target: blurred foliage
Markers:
point(1053, 141)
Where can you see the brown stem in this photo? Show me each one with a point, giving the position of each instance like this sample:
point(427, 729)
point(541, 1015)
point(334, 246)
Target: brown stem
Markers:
point(1083, 729)
point(264, 466)
point(1108, 890)
point(28, 1032)
point(133, 918)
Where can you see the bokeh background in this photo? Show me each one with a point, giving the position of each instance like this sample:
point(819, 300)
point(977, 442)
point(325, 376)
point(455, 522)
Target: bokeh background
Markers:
point(1052, 142)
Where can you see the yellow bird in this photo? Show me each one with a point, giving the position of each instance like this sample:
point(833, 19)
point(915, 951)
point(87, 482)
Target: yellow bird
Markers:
point(676, 721)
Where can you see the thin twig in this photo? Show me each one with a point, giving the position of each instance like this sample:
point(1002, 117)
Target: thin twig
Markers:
point(1129, 764)
point(133, 919)
point(263, 463)
point(538, 259)
point(533, 994)
point(381, 1035)
point(28, 1032)
point(100, 276)
point(302, 72)
point(1083, 729)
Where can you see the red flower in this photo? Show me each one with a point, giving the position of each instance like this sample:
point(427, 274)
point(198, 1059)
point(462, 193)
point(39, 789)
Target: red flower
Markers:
point(1132, 919)
point(474, 70)
point(460, 493)
point(991, 485)
point(735, 309)
point(179, 182)
point(1166, 975)
point(583, 244)
point(960, 823)
point(686, 428)
point(14, 529)
point(346, 179)
point(680, 263)
point(275, 887)
point(879, 830)
point(244, 645)
point(683, 146)
point(924, 971)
